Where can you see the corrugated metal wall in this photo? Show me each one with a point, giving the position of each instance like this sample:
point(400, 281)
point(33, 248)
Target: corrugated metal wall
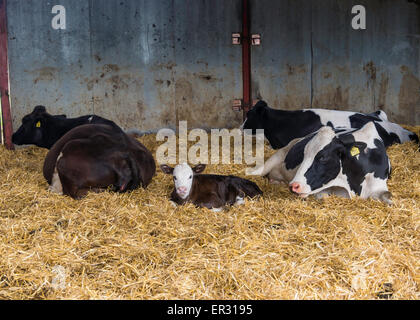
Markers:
point(311, 56)
point(144, 64)
point(147, 64)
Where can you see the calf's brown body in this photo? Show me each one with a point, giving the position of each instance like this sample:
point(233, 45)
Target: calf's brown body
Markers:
point(212, 191)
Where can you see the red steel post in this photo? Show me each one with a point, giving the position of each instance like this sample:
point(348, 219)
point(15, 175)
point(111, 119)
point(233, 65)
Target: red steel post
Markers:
point(4, 78)
point(246, 58)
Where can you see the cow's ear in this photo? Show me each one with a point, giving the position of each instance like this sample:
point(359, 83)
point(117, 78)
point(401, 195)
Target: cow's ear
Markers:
point(260, 108)
point(356, 148)
point(260, 104)
point(167, 169)
point(352, 149)
point(39, 123)
point(341, 149)
point(39, 109)
point(199, 168)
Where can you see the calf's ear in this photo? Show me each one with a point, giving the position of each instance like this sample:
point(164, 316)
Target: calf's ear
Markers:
point(199, 168)
point(166, 169)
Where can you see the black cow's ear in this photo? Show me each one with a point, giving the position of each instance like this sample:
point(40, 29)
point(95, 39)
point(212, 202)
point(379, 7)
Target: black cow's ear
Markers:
point(356, 148)
point(199, 168)
point(258, 108)
point(341, 149)
point(39, 123)
point(167, 169)
point(260, 104)
point(39, 109)
point(352, 149)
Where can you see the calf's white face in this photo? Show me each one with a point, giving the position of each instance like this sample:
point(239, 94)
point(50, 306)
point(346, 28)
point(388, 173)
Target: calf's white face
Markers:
point(183, 176)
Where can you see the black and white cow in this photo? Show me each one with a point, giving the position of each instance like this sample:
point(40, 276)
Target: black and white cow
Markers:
point(282, 126)
point(208, 190)
point(346, 163)
point(43, 129)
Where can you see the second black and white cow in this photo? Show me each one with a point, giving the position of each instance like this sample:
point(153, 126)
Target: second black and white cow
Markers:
point(348, 163)
point(282, 126)
point(208, 190)
point(43, 129)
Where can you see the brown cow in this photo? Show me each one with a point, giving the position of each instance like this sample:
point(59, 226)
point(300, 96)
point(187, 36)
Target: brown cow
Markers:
point(208, 190)
point(96, 157)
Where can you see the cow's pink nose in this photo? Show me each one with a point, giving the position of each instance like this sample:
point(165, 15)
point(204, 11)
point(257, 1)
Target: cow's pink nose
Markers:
point(182, 189)
point(296, 187)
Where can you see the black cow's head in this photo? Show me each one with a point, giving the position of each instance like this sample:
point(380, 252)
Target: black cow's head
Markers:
point(323, 160)
point(255, 117)
point(34, 128)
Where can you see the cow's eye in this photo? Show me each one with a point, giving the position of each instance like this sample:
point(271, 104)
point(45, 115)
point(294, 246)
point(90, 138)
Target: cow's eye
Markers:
point(323, 159)
point(190, 177)
point(174, 178)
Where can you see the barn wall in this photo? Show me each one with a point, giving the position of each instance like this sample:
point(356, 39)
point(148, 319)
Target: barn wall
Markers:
point(147, 64)
point(144, 64)
point(311, 57)
point(281, 66)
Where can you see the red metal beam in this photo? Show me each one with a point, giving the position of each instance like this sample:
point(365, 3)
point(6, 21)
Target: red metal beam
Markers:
point(246, 58)
point(4, 79)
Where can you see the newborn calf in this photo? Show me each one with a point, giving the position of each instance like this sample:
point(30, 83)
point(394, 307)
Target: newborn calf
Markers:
point(208, 190)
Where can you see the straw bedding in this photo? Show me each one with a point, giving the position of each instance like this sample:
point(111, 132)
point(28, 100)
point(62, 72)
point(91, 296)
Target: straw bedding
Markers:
point(138, 246)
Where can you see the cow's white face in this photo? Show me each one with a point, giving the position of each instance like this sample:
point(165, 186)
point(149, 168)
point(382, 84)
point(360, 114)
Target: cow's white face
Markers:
point(183, 176)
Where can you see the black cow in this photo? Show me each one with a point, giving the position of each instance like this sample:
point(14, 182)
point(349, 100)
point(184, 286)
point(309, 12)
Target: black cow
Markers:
point(43, 129)
point(282, 126)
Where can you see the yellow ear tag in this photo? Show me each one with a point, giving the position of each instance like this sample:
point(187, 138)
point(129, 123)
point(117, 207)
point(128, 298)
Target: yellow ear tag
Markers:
point(354, 151)
point(38, 124)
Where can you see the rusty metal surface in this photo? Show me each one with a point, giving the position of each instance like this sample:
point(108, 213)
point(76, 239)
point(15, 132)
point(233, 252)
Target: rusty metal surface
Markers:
point(133, 59)
point(366, 70)
point(148, 64)
point(144, 64)
point(311, 57)
point(48, 67)
point(281, 66)
point(208, 67)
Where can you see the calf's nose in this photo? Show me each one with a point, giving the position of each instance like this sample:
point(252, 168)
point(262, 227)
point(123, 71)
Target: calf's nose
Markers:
point(182, 189)
point(295, 187)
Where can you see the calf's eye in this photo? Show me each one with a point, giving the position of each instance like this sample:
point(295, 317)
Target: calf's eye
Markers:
point(190, 177)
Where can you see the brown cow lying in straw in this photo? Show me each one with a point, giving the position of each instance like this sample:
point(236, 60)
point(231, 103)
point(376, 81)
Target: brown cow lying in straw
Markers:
point(208, 190)
point(96, 157)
